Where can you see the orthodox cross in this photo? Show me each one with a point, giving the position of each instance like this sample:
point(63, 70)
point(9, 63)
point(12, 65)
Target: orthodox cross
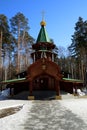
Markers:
point(43, 15)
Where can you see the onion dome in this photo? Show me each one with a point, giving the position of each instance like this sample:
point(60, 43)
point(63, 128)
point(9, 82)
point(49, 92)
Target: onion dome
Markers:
point(43, 35)
point(43, 23)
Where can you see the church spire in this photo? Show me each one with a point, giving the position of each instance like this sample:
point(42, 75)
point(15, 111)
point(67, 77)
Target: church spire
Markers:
point(43, 36)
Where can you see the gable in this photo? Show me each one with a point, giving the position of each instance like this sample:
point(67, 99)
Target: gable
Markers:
point(44, 66)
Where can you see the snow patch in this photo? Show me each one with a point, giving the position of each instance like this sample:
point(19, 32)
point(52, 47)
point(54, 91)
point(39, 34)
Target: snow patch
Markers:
point(4, 94)
point(76, 106)
point(15, 121)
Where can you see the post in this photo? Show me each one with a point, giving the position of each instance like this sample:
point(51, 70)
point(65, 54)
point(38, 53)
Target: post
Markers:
point(57, 86)
point(75, 89)
point(30, 88)
point(30, 97)
point(52, 57)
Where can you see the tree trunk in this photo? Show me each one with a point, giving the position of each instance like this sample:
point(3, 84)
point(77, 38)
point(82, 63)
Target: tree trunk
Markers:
point(1, 55)
point(18, 57)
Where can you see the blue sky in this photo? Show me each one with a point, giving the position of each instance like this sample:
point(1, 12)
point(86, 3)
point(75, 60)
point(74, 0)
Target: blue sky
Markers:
point(60, 16)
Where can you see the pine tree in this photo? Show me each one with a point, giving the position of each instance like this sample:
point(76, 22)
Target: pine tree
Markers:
point(19, 25)
point(4, 38)
point(78, 47)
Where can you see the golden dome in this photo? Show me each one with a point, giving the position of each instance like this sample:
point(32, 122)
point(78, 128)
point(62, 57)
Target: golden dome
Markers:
point(43, 23)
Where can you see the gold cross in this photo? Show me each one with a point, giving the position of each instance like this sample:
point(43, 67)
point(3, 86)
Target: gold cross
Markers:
point(43, 15)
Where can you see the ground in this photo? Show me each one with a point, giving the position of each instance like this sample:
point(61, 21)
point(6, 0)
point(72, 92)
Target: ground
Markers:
point(65, 114)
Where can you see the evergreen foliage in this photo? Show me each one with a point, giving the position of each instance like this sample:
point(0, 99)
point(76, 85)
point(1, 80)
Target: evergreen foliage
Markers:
point(14, 41)
point(78, 48)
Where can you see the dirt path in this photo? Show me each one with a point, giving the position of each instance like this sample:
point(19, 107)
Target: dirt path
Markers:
point(9, 111)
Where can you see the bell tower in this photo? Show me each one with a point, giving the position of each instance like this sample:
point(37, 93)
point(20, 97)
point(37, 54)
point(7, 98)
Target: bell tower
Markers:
point(43, 46)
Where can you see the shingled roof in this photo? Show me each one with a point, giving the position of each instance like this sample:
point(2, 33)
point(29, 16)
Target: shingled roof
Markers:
point(43, 36)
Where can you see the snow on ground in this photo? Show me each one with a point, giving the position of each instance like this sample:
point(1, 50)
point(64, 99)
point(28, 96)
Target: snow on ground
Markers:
point(77, 106)
point(4, 94)
point(13, 122)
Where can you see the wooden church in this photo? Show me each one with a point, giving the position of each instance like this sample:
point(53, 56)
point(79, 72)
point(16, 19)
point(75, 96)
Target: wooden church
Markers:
point(43, 74)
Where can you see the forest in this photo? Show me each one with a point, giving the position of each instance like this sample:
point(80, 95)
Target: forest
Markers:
point(16, 47)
